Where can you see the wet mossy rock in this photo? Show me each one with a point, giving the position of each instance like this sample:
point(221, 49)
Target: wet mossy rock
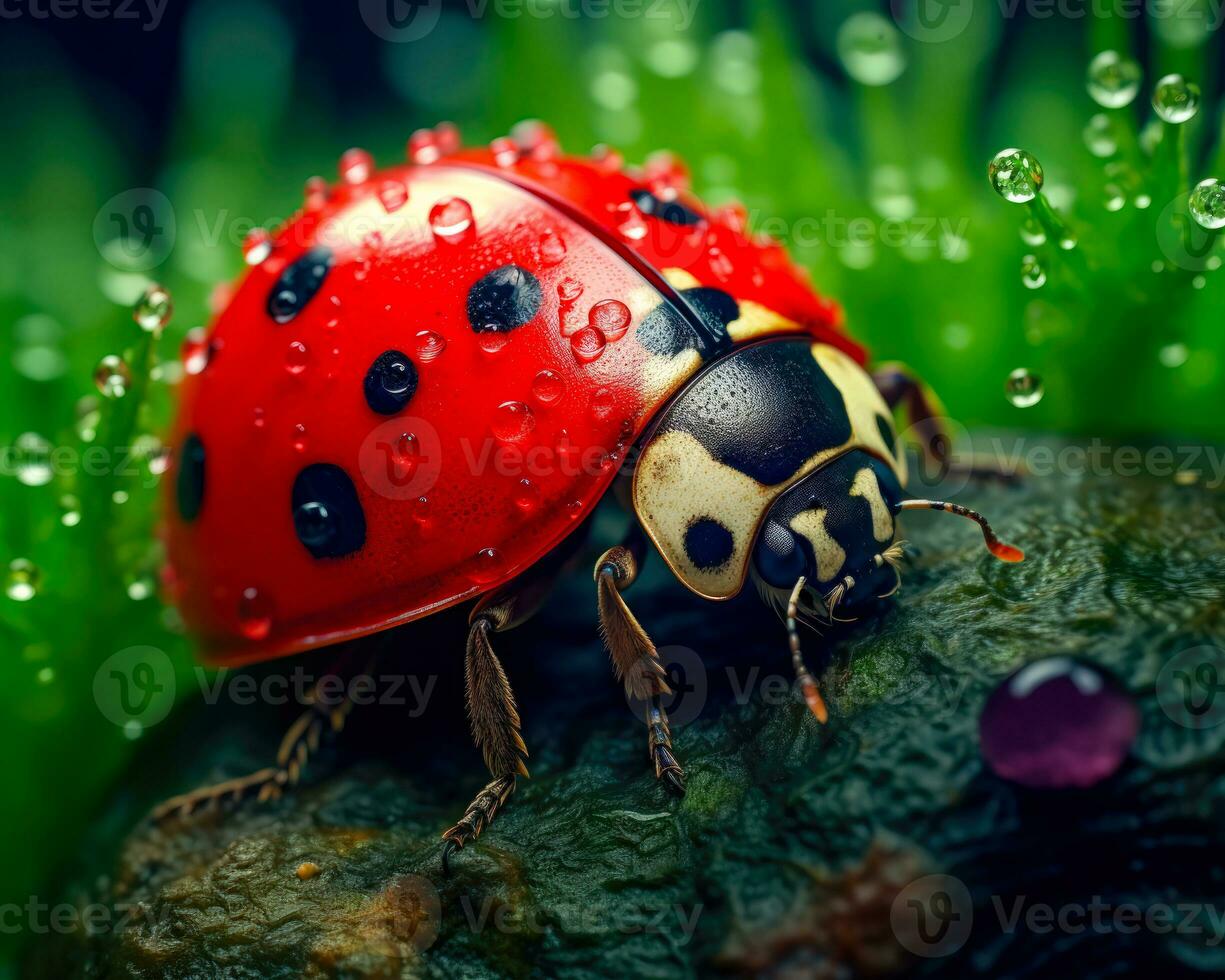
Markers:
point(789, 852)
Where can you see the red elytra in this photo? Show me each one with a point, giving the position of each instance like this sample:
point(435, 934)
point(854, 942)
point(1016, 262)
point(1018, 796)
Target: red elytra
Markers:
point(510, 437)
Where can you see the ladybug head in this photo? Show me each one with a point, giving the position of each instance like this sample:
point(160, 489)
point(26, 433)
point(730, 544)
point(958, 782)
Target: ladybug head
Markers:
point(835, 529)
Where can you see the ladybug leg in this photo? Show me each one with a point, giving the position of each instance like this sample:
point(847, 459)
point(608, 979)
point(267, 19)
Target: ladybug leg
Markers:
point(634, 656)
point(899, 386)
point(301, 739)
point(492, 711)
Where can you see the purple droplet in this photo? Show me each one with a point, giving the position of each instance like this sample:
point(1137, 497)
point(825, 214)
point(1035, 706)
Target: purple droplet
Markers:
point(1057, 723)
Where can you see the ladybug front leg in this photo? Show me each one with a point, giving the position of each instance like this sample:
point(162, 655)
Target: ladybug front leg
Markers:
point(899, 386)
point(634, 656)
point(302, 738)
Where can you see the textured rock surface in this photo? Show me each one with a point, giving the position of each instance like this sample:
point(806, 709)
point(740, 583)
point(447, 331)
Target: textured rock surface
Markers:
point(793, 843)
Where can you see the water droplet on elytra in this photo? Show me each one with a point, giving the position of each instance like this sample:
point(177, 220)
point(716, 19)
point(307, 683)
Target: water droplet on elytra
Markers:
point(492, 339)
point(257, 246)
point(299, 437)
point(423, 147)
point(527, 496)
point(568, 290)
point(393, 194)
point(513, 421)
point(1023, 388)
point(194, 350)
point(254, 614)
point(296, 357)
point(487, 566)
point(587, 344)
point(356, 165)
point(552, 248)
point(548, 387)
point(451, 220)
point(429, 345)
point(611, 317)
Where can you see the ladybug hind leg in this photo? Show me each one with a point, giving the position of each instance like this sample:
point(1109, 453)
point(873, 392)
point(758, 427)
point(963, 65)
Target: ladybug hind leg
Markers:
point(634, 656)
point(900, 387)
point(301, 740)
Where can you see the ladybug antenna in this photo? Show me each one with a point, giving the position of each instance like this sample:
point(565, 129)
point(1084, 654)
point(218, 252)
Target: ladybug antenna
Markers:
point(812, 695)
point(1002, 551)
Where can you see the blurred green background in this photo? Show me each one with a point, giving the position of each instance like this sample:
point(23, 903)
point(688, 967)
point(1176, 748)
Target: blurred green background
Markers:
point(868, 136)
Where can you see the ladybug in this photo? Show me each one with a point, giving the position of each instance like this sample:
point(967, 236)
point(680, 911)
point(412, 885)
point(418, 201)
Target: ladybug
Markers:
point(431, 376)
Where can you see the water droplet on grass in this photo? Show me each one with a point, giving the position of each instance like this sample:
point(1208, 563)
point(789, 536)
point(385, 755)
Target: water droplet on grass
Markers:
point(112, 376)
point(1175, 99)
point(1113, 80)
point(1016, 175)
point(1208, 204)
point(1023, 388)
point(23, 580)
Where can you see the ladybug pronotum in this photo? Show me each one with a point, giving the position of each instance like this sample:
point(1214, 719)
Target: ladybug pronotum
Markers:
point(436, 372)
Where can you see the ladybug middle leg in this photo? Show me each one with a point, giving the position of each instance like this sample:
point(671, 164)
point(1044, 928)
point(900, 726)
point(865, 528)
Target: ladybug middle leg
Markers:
point(898, 385)
point(634, 656)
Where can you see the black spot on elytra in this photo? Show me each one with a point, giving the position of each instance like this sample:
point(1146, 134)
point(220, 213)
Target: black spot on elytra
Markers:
point(298, 283)
point(327, 516)
point(672, 211)
point(503, 299)
point(391, 382)
point(667, 332)
point(189, 485)
point(885, 427)
point(708, 543)
point(764, 411)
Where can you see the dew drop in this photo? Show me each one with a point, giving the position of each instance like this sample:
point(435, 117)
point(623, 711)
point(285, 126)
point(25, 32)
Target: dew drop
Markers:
point(423, 512)
point(423, 147)
point(257, 246)
point(602, 403)
point(492, 340)
point(299, 437)
point(1142, 201)
point(154, 309)
point(1032, 232)
point(193, 352)
point(258, 418)
point(139, 585)
point(634, 227)
point(1099, 136)
point(552, 248)
point(587, 344)
point(447, 136)
point(487, 566)
point(355, 166)
point(22, 582)
point(505, 152)
point(527, 496)
point(316, 193)
point(112, 376)
point(1112, 80)
point(296, 357)
point(1033, 276)
point(720, 264)
point(569, 290)
point(870, 49)
point(393, 194)
point(1175, 99)
point(429, 345)
point(1016, 175)
point(574, 509)
point(1173, 355)
point(610, 317)
point(70, 510)
point(1208, 204)
point(254, 614)
point(451, 220)
point(1113, 197)
point(1023, 388)
point(548, 387)
point(513, 421)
